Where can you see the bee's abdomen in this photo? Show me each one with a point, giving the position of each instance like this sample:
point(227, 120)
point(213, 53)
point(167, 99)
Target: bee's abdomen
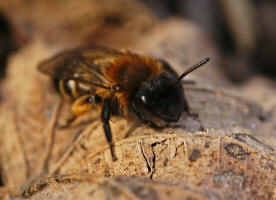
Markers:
point(71, 89)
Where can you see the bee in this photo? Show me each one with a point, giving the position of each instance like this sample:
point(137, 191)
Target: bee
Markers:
point(118, 82)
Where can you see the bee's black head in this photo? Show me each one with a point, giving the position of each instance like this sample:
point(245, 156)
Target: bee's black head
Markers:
point(161, 98)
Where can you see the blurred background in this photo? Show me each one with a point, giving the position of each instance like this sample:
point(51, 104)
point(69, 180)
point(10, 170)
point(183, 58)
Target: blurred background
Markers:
point(244, 32)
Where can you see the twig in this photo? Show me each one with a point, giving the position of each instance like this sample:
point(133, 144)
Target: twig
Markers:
point(51, 131)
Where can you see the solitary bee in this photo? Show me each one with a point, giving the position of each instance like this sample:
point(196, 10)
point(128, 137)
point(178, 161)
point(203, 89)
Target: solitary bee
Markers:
point(118, 83)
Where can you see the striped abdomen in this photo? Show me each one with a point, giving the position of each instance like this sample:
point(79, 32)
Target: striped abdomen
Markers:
point(71, 89)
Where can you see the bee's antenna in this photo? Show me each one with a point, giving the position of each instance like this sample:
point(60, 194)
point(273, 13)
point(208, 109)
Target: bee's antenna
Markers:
point(192, 68)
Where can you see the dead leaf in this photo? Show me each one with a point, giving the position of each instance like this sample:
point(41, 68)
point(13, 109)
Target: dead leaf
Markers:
point(219, 161)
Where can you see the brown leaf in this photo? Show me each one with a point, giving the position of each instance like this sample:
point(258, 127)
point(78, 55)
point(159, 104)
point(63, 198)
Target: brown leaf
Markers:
point(85, 186)
point(213, 160)
point(221, 161)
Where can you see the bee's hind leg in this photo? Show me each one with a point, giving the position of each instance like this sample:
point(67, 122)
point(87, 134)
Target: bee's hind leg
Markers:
point(81, 106)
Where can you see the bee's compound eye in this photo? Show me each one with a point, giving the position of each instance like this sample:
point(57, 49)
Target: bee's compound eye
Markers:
point(144, 99)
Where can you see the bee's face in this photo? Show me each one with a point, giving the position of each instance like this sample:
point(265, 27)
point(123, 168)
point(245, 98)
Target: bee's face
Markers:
point(160, 98)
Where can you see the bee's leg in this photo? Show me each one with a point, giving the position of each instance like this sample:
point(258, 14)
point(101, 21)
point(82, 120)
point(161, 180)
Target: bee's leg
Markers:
point(188, 82)
point(105, 115)
point(141, 117)
point(187, 107)
point(81, 106)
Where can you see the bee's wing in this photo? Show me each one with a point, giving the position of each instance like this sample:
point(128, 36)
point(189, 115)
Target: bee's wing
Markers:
point(84, 64)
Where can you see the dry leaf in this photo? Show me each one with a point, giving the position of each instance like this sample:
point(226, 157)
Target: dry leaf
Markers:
point(213, 160)
point(84, 186)
point(211, 156)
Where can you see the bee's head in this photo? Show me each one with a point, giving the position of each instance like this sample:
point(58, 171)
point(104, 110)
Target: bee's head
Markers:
point(162, 97)
point(159, 98)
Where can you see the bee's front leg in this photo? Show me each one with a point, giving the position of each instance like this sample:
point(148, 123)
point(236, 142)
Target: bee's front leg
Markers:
point(105, 115)
point(141, 117)
point(187, 108)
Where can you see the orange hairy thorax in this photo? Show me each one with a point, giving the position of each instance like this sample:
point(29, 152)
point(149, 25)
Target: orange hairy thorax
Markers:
point(128, 72)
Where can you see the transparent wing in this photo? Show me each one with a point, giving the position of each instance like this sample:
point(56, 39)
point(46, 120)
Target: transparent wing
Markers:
point(85, 64)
